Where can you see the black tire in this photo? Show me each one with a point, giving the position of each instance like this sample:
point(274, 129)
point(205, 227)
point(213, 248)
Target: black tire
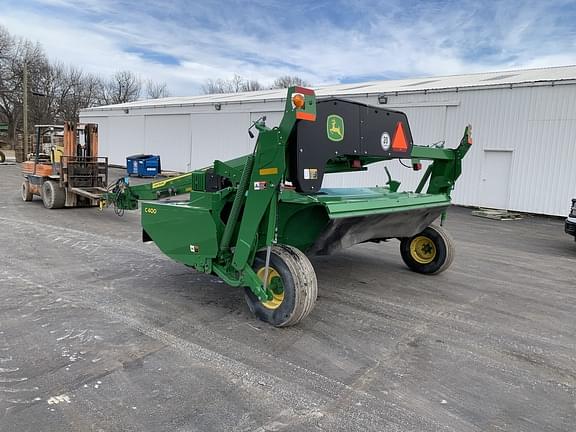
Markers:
point(2, 157)
point(299, 287)
point(25, 192)
point(429, 252)
point(53, 196)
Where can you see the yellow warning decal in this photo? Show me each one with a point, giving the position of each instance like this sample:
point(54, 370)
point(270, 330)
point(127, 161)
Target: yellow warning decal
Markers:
point(163, 183)
point(268, 171)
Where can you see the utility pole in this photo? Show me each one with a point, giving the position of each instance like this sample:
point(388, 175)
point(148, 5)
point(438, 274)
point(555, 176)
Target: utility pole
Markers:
point(25, 110)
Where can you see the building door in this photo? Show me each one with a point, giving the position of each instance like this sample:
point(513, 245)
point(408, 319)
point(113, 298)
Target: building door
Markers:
point(495, 184)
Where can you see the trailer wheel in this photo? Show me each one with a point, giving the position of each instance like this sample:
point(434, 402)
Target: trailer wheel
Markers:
point(292, 279)
point(429, 252)
point(53, 196)
point(27, 195)
point(2, 157)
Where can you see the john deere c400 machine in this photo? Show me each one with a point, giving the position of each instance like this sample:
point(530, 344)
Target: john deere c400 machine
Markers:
point(252, 221)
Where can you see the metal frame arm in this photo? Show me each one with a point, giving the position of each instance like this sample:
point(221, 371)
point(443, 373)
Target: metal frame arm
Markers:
point(258, 191)
point(446, 165)
point(124, 196)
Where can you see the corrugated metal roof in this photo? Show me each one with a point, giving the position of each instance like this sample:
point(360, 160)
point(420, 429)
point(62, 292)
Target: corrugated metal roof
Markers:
point(485, 79)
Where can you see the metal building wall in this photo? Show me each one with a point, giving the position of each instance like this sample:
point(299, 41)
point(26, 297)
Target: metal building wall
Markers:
point(185, 137)
point(534, 125)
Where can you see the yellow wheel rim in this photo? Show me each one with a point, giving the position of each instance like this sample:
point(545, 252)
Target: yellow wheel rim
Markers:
point(274, 283)
point(422, 250)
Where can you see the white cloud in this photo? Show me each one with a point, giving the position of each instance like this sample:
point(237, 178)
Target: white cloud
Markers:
point(395, 39)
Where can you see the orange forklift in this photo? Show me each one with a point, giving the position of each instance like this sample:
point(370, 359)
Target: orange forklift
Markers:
point(65, 170)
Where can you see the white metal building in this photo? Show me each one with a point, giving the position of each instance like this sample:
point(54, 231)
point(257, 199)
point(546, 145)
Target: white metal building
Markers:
point(524, 129)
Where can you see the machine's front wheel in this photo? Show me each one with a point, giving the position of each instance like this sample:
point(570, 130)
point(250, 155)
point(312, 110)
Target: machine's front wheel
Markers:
point(430, 251)
point(292, 279)
point(25, 191)
point(53, 196)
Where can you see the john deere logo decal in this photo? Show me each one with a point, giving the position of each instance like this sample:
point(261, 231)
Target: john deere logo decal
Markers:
point(335, 127)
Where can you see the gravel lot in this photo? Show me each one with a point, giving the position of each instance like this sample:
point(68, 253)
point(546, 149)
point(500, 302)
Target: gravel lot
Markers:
point(99, 332)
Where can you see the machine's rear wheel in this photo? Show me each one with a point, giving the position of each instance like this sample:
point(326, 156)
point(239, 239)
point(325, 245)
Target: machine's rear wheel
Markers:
point(53, 196)
point(429, 252)
point(25, 191)
point(292, 279)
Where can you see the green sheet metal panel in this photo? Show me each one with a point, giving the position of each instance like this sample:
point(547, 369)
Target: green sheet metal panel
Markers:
point(352, 202)
point(183, 232)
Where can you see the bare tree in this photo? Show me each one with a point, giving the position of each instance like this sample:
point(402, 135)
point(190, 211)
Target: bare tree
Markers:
point(59, 92)
point(47, 90)
point(14, 54)
point(5, 41)
point(156, 90)
point(56, 91)
point(76, 90)
point(213, 86)
point(91, 90)
point(239, 84)
point(289, 81)
point(252, 85)
point(124, 86)
point(234, 85)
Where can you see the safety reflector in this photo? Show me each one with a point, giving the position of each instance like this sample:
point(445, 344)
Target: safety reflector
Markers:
point(399, 143)
point(303, 90)
point(303, 115)
point(268, 171)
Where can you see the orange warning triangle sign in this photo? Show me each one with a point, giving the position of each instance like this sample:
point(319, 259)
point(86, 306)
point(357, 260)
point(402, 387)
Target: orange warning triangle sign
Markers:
point(399, 143)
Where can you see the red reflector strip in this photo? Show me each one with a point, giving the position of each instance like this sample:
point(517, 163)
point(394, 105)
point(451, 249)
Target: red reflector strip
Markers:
point(417, 166)
point(303, 115)
point(303, 90)
point(356, 163)
point(399, 143)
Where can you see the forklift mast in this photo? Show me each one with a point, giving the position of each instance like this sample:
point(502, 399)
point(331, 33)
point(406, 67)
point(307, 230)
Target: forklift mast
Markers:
point(67, 174)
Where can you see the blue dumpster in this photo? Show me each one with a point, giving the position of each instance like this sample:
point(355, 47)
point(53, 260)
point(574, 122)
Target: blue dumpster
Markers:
point(143, 165)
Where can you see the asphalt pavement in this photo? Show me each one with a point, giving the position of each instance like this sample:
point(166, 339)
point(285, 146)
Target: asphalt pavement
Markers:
point(100, 332)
